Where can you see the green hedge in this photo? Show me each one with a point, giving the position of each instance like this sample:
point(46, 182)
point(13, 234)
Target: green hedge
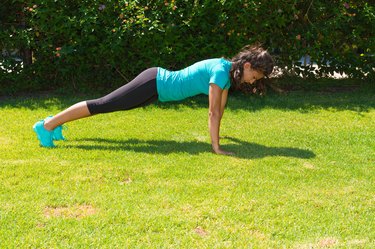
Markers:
point(92, 44)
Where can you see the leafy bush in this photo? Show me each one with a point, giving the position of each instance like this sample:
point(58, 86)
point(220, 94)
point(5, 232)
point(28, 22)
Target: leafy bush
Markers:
point(94, 44)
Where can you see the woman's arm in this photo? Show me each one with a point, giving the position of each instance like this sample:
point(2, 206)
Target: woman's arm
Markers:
point(216, 109)
point(224, 97)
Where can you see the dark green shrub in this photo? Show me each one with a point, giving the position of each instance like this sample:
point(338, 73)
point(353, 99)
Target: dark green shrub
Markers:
point(92, 44)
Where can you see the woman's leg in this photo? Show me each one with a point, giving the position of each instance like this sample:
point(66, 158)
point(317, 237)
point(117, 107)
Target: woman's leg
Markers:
point(77, 111)
point(140, 91)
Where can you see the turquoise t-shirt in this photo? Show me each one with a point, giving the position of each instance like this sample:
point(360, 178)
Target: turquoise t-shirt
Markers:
point(193, 80)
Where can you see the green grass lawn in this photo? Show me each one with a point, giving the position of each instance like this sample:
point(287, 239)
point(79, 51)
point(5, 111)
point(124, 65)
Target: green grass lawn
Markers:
point(302, 176)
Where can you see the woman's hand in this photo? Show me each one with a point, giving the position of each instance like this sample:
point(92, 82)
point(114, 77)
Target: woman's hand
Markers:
point(222, 152)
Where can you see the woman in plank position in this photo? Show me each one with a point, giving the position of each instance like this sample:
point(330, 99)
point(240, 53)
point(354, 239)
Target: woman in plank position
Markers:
point(212, 77)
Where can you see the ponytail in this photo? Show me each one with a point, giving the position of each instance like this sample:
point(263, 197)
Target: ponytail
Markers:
point(259, 59)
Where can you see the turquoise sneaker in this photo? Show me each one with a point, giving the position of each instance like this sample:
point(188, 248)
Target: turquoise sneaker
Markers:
point(44, 136)
point(57, 132)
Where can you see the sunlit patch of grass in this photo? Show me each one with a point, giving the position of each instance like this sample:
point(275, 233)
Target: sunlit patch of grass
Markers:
point(302, 175)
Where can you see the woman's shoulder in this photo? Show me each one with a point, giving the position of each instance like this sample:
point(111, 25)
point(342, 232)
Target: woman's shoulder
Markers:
point(210, 65)
point(220, 64)
point(216, 62)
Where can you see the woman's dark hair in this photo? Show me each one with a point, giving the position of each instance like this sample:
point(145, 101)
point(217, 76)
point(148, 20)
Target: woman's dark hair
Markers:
point(259, 59)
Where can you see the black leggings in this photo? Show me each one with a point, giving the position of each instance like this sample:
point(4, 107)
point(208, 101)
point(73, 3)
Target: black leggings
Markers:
point(141, 91)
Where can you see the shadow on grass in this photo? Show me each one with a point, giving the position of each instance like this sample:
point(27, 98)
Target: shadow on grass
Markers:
point(242, 149)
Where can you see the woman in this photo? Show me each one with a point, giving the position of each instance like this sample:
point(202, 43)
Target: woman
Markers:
point(212, 77)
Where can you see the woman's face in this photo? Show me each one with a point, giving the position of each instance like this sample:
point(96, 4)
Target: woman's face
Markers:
point(250, 75)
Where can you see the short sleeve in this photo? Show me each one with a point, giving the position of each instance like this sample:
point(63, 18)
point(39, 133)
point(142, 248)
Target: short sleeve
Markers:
point(220, 77)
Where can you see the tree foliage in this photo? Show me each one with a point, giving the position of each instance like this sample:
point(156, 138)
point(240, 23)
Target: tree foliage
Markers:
point(100, 43)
